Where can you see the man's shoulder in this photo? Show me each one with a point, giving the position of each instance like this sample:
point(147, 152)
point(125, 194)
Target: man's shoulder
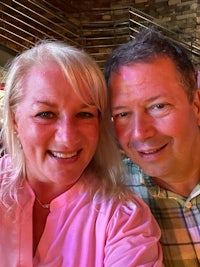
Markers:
point(138, 181)
point(131, 166)
point(135, 173)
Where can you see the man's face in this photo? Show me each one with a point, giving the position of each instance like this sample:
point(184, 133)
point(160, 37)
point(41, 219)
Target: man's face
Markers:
point(155, 123)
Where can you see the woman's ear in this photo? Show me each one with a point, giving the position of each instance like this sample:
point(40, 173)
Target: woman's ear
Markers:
point(15, 123)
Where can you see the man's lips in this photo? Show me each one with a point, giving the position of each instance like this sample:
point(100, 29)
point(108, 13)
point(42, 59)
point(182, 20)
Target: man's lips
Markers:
point(151, 151)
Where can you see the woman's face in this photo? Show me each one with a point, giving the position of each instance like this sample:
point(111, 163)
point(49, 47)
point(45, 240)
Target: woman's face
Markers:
point(58, 132)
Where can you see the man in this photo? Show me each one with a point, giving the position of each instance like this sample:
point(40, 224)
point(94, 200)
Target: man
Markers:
point(155, 107)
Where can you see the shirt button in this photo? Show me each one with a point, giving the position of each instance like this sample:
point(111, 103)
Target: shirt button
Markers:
point(188, 205)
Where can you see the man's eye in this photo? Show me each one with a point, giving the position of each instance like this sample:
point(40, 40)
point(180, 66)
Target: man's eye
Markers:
point(160, 110)
point(46, 115)
point(120, 115)
point(159, 106)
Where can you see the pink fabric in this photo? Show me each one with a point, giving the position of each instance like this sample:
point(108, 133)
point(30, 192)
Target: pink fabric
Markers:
point(81, 232)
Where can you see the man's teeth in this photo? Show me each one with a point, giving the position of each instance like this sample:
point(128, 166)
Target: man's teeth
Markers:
point(152, 151)
point(64, 156)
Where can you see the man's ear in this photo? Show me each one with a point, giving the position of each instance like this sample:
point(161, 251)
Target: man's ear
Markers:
point(196, 104)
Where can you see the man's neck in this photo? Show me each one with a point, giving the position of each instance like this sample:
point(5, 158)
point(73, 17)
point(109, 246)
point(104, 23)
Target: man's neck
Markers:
point(183, 187)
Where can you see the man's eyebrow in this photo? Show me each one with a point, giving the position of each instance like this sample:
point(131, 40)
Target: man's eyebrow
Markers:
point(118, 107)
point(151, 99)
point(154, 97)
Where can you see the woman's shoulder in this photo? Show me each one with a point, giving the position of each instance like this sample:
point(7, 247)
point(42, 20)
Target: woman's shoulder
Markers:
point(4, 162)
point(127, 203)
point(5, 166)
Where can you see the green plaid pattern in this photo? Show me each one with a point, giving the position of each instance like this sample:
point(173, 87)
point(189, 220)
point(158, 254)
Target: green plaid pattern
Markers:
point(178, 217)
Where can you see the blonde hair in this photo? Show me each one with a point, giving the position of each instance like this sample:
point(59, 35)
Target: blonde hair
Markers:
point(79, 69)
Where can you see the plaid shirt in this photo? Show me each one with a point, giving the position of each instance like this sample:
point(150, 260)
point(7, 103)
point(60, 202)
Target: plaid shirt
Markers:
point(178, 217)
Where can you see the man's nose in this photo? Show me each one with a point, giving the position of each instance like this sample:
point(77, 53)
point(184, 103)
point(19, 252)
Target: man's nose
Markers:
point(142, 127)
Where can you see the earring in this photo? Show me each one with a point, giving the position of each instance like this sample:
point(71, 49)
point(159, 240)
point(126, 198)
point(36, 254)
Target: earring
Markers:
point(20, 145)
point(18, 141)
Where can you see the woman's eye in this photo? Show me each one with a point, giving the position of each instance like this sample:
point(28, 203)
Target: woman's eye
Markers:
point(85, 115)
point(46, 115)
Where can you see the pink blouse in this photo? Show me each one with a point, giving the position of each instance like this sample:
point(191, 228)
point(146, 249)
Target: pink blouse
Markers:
point(81, 232)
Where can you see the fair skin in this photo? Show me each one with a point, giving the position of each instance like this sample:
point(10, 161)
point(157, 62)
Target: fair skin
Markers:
point(156, 124)
point(58, 132)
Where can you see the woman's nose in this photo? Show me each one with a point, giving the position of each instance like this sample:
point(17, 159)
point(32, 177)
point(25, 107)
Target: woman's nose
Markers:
point(67, 132)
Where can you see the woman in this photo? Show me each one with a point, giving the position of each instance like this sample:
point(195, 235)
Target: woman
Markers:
point(62, 201)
